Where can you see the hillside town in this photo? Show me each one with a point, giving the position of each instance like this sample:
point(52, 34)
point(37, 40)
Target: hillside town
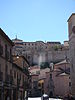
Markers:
point(30, 69)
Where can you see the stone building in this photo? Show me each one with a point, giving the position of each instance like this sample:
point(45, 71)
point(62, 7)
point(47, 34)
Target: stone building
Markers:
point(41, 79)
point(6, 78)
point(71, 30)
point(61, 78)
point(34, 86)
point(39, 51)
point(13, 75)
point(44, 81)
point(49, 80)
point(21, 76)
point(34, 73)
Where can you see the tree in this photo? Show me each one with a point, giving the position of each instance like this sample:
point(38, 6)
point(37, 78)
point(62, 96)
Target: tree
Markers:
point(44, 65)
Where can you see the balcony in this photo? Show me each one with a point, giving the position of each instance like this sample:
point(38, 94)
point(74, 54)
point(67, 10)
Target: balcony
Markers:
point(25, 85)
point(18, 83)
point(9, 79)
point(25, 70)
point(1, 76)
point(1, 49)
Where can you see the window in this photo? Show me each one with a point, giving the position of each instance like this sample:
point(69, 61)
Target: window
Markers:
point(6, 69)
point(14, 74)
point(37, 72)
point(0, 67)
point(42, 85)
point(69, 77)
point(51, 76)
point(46, 47)
point(39, 85)
point(23, 50)
point(10, 71)
point(35, 47)
point(17, 76)
point(23, 78)
point(69, 84)
point(0, 41)
point(20, 76)
point(5, 51)
point(10, 54)
point(1, 48)
point(70, 28)
point(34, 84)
point(5, 47)
point(28, 57)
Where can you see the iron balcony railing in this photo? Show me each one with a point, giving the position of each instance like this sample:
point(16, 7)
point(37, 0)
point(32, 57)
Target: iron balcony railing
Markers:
point(25, 70)
point(9, 79)
point(25, 85)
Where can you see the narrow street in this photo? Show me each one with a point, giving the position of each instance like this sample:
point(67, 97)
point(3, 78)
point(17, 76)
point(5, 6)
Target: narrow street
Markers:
point(39, 98)
point(37, 50)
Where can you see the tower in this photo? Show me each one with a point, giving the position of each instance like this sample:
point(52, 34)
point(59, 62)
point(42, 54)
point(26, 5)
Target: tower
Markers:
point(71, 30)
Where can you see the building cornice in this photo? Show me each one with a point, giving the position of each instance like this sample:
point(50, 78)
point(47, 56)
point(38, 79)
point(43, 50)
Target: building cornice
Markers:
point(70, 17)
point(2, 33)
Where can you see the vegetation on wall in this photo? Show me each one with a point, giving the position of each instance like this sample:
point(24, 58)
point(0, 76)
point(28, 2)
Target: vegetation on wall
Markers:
point(44, 65)
point(56, 47)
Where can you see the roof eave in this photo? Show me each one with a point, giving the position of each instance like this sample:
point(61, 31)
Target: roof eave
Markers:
point(6, 37)
point(70, 17)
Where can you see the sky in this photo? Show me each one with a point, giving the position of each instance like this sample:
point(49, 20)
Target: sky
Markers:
point(36, 20)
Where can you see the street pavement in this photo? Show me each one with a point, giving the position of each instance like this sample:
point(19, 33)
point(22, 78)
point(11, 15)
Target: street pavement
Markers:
point(38, 98)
